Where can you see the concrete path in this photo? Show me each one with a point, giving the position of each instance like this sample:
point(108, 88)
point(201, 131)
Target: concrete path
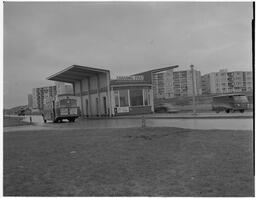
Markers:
point(208, 122)
point(189, 115)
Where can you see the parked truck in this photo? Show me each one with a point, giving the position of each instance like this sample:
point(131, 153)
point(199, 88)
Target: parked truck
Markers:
point(61, 107)
point(230, 103)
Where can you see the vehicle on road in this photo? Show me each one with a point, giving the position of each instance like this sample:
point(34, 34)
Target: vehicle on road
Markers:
point(21, 112)
point(165, 108)
point(230, 103)
point(60, 108)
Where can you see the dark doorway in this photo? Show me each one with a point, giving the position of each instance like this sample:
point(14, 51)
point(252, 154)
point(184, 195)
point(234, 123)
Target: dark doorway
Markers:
point(97, 106)
point(105, 105)
point(86, 107)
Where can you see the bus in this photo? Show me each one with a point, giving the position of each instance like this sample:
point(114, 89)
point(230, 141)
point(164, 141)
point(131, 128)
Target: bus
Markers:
point(230, 103)
point(60, 108)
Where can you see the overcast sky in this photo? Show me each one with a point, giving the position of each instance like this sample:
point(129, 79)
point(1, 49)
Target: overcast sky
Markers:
point(41, 38)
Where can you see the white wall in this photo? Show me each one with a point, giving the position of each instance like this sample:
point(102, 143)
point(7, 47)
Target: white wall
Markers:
point(92, 110)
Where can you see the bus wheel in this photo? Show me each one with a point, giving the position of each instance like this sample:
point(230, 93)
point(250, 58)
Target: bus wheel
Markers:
point(70, 119)
point(241, 110)
point(227, 110)
point(45, 121)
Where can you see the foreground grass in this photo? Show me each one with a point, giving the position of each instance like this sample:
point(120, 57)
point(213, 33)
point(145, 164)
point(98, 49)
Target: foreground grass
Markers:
point(128, 162)
point(14, 121)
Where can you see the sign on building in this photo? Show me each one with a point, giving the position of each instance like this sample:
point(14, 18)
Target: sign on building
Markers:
point(140, 77)
point(122, 109)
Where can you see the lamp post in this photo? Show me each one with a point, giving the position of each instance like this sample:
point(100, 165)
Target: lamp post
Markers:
point(193, 88)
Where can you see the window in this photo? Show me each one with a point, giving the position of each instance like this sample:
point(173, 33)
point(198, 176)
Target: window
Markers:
point(146, 97)
point(68, 103)
point(136, 97)
point(123, 94)
point(116, 98)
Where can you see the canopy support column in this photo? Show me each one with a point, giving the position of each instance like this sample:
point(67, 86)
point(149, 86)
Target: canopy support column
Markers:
point(81, 98)
point(109, 94)
point(98, 93)
point(89, 98)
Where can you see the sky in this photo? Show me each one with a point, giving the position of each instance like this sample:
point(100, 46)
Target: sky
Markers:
point(42, 38)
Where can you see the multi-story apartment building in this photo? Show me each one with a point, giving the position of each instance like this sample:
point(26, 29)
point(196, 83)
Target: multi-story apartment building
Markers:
point(169, 83)
point(161, 80)
point(227, 82)
point(63, 88)
point(163, 84)
point(183, 83)
point(30, 101)
point(39, 94)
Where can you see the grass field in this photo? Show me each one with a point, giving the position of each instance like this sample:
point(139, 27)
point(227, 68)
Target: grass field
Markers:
point(128, 162)
point(13, 121)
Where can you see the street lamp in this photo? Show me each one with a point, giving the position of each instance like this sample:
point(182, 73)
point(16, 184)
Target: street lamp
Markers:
point(193, 88)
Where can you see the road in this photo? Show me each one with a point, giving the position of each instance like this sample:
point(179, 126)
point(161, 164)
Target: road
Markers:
point(238, 122)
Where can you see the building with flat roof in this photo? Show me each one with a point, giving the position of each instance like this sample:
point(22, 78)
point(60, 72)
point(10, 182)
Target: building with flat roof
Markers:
point(161, 81)
point(168, 83)
point(40, 94)
point(30, 101)
point(92, 85)
point(227, 82)
point(100, 96)
point(64, 88)
point(163, 84)
point(183, 83)
point(132, 95)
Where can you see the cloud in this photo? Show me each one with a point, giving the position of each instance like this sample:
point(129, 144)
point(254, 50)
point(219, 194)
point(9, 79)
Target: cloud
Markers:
point(42, 38)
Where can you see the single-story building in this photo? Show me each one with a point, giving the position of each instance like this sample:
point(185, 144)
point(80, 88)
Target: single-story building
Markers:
point(100, 96)
point(92, 85)
point(131, 96)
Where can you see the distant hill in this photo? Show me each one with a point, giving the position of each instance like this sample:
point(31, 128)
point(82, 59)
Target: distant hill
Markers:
point(14, 110)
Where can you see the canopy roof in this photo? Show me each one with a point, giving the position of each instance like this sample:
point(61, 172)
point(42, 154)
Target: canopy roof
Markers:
point(76, 72)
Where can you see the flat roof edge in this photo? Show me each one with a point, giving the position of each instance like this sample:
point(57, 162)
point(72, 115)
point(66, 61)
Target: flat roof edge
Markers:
point(53, 75)
point(76, 66)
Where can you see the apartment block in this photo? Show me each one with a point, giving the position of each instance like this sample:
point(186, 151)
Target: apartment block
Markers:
point(183, 83)
point(227, 82)
point(64, 88)
point(163, 84)
point(39, 94)
point(169, 83)
point(30, 101)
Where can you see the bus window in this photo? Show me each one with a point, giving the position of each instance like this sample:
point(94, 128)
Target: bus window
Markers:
point(73, 103)
point(63, 103)
point(68, 103)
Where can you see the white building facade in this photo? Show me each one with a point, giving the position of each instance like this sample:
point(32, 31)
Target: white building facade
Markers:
point(40, 94)
point(170, 84)
point(227, 82)
point(64, 88)
point(163, 84)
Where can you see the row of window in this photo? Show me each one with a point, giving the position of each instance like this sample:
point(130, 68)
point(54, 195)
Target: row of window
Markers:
point(133, 97)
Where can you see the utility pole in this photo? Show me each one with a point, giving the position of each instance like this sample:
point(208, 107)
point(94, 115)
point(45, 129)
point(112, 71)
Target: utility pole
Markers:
point(193, 87)
point(253, 70)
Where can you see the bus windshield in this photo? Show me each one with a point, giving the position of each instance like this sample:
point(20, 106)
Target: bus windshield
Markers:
point(242, 99)
point(68, 103)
